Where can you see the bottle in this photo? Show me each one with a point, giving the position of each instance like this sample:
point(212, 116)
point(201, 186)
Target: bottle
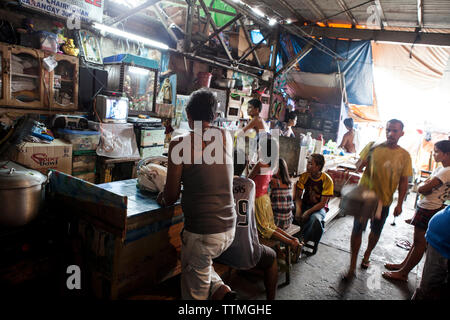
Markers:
point(308, 142)
point(318, 145)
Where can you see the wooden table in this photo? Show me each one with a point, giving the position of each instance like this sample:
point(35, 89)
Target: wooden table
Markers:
point(127, 239)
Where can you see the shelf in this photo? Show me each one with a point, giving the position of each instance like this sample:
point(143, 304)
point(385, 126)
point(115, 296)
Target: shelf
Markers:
point(39, 111)
point(25, 75)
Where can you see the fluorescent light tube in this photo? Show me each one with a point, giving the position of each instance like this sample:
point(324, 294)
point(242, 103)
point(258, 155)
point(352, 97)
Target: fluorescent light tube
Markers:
point(272, 21)
point(130, 36)
point(258, 12)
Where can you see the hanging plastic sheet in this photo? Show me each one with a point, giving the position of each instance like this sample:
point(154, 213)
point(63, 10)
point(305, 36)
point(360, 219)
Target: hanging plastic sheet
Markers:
point(356, 66)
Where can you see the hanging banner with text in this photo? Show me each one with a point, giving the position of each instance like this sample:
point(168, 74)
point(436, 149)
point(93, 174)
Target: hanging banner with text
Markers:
point(85, 10)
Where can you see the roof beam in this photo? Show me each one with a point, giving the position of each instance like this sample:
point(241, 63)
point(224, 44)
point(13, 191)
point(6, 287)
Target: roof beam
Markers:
point(436, 39)
point(216, 30)
point(299, 56)
point(183, 4)
point(160, 14)
point(238, 68)
point(348, 12)
point(129, 13)
point(291, 28)
point(250, 44)
point(251, 49)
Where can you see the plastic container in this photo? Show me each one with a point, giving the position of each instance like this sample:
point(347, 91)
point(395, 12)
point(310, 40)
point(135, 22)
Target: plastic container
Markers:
point(309, 142)
point(204, 79)
point(80, 139)
point(146, 137)
point(151, 151)
point(319, 144)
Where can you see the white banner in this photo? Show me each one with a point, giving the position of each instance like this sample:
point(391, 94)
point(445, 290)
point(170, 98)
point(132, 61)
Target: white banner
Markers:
point(85, 10)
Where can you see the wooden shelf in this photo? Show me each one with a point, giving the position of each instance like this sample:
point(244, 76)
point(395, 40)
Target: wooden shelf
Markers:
point(25, 75)
point(40, 111)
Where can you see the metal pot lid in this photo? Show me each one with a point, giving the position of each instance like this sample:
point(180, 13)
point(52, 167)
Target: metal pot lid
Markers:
point(13, 176)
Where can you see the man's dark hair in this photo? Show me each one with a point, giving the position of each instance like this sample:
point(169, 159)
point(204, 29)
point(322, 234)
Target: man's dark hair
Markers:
point(319, 160)
point(396, 121)
point(256, 104)
point(443, 145)
point(291, 116)
point(348, 122)
point(202, 105)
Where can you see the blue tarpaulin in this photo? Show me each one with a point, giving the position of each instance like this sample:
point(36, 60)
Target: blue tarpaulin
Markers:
point(356, 66)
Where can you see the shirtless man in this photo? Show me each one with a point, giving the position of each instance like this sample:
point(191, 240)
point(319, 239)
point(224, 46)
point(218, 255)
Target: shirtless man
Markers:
point(253, 110)
point(348, 140)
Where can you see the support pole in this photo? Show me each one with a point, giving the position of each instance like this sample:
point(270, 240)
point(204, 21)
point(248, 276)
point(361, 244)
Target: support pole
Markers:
point(189, 15)
point(273, 66)
point(299, 56)
point(216, 33)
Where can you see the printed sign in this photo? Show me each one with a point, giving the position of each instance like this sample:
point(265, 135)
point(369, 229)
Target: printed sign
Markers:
point(86, 10)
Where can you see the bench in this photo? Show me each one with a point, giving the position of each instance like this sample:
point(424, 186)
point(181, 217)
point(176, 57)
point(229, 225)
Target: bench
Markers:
point(276, 245)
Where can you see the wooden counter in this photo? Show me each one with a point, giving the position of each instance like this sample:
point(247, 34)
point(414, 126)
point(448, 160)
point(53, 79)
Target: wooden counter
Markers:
point(127, 240)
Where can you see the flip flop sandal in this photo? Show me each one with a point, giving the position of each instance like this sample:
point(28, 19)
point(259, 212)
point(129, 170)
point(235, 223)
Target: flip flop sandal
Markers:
point(404, 244)
point(365, 264)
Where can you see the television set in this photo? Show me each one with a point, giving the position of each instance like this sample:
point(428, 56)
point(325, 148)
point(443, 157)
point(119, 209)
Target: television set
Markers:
point(112, 109)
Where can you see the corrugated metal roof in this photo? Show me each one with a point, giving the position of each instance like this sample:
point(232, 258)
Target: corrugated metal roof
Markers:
point(396, 13)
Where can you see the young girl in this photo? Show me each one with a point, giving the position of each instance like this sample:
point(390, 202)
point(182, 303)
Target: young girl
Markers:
point(261, 174)
point(435, 191)
point(281, 196)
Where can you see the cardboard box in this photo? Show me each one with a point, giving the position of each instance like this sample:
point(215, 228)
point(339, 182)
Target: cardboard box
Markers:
point(42, 156)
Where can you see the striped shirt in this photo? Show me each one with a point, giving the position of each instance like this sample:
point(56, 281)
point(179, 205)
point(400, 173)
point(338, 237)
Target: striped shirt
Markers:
point(282, 203)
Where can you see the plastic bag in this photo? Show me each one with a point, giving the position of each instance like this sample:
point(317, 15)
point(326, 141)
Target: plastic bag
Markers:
point(117, 140)
point(152, 177)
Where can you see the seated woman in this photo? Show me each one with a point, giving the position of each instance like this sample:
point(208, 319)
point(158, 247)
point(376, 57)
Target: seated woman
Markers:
point(281, 196)
point(261, 174)
point(207, 198)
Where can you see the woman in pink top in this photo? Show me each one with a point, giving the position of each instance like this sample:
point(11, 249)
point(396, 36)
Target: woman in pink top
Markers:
point(261, 174)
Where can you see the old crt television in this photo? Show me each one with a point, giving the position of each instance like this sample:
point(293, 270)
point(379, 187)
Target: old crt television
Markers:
point(112, 109)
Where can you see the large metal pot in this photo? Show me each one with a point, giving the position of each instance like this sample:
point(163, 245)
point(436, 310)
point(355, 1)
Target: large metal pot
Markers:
point(21, 194)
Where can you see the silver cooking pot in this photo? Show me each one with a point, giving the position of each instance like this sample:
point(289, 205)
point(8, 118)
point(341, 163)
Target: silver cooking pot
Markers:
point(21, 194)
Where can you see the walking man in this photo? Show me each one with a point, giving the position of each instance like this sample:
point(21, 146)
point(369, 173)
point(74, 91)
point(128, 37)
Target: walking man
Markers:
point(387, 167)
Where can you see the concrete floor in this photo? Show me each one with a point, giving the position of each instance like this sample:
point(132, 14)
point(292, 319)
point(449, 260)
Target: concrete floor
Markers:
point(318, 277)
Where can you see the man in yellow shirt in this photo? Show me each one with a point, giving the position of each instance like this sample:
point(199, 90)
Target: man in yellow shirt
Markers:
point(387, 167)
point(312, 204)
